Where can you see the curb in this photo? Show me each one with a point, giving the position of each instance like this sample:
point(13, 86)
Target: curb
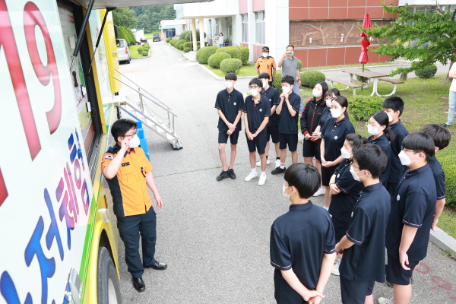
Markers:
point(445, 242)
point(144, 57)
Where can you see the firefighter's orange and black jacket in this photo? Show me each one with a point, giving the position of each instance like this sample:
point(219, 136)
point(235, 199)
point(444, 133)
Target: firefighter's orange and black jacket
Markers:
point(128, 188)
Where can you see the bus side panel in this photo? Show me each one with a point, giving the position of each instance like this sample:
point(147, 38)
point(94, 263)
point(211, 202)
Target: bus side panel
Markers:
point(44, 216)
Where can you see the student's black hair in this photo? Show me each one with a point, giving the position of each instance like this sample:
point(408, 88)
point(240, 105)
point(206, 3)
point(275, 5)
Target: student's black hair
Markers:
point(324, 87)
point(355, 140)
point(257, 82)
point(288, 79)
point(382, 119)
point(370, 157)
point(419, 142)
point(230, 76)
point(328, 94)
point(343, 102)
point(335, 91)
point(305, 178)
point(439, 134)
point(264, 76)
point(121, 126)
point(395, 103)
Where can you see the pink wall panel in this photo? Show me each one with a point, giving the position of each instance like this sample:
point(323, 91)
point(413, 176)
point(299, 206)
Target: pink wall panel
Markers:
point(317, 57)
point(302, 55)
point(298, 13)
point(257, 51)
point(352, 55)
point(243, 7)
point(258, 5)
point(244, 44)
point(336, 56)
point(299, 3)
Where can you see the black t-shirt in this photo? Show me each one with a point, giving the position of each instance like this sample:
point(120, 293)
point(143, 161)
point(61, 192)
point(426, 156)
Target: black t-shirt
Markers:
point(439, 177)
point(342, 204)
point(230, 104)
point(365, 260)
point(325, 115)
point(299, 239)
point(256, 112)
point(334, 134)
point(414, 206)
point(273, 96)
point(397, 170)
point(383, 143)
point(289, 124)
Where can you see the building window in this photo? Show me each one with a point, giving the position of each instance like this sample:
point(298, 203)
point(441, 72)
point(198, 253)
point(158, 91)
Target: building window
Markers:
point(245, 27)
point(260, 27)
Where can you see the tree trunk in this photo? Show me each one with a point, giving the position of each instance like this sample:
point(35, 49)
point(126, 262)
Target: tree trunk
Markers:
point(404, 76)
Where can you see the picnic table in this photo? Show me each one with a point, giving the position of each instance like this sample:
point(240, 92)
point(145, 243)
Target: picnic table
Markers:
point(376, 77)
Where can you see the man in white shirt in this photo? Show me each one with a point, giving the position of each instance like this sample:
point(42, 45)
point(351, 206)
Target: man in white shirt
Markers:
point(452, 97)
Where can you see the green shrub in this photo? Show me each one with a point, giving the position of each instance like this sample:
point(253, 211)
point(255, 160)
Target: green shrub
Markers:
point(188, 45)
point(311, 78)
point(230, 65)
point(145, 53)
point(187, 35)
point(186, 49)
point(238, 52)
point(180, 44)
point(361, 78)
point(204, 53)
point(168, 40)
point(300, 64)
point(215, 59)
point(361, 107)
point(140, 50)
point(277, 83)
point(449, 167)
point(426, 72)
point(127, 34)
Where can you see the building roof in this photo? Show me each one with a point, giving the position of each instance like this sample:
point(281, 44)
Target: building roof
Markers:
point(101, 4)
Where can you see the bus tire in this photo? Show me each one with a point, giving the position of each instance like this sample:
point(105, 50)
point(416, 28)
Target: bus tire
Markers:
point(108, 290)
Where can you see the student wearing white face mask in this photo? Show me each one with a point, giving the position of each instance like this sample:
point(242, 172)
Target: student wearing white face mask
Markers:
point(381, 135)
point(333, 137)
point(310, 117)
point(229, 105)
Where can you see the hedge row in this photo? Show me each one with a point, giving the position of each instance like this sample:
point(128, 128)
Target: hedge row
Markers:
point(237, 52)
point(182, 45)
point(449, 167)
point(127, 34)
point(203, 54)
point(187, 35)
point(308, 79)
point(168, 39)
point(215, 59)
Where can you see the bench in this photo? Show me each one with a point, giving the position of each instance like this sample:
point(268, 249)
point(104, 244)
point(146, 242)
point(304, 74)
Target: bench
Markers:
point(393, 81)
point(345, 83)
point(362, 83)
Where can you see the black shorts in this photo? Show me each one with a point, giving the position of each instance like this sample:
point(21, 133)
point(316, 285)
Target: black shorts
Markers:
point(395, 274)
point(355, 292)
point(310, 149)
point(326, 174)
point(273, 132)
point(288, 139)
point(259, 142)
point(223, 137)
point(340, 228)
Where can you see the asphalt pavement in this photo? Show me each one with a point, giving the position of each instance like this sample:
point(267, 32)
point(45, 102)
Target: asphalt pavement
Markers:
point(214, 236)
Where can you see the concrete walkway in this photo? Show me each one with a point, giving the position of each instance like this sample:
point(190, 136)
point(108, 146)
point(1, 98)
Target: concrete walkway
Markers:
point(215, 235)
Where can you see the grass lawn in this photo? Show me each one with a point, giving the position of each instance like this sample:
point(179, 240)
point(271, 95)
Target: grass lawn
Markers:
point(246, 70)
point(134, 51)
point(423, 105)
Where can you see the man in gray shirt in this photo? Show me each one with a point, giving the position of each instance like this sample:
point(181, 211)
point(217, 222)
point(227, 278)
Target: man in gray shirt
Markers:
point(290, 66)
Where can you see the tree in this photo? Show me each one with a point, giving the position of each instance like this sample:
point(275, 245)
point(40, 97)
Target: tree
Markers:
point(434, 31)
point(123, 16)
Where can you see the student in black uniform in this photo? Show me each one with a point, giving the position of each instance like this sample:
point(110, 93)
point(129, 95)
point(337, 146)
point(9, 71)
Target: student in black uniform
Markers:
point(310, 117)
point(257, 111)
point(381, 136)
point(344, 190)
point(288, 126)
point(411, 216)
point(364, 241)
point(229, 105)
point(332, 139)
point(302, 241)
point(326, 114)
point(394, 106)
point(273, 96)
point(442, 138)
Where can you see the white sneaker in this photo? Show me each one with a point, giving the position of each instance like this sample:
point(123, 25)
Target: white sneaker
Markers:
point(277, 163)
point(335, 270)
point(300, 137)
point(251, 176)
point(385, 301)
point(262, 180)
point(320, 191)
point(259, 162)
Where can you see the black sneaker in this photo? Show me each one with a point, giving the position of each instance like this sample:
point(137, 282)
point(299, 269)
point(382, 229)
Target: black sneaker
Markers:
point(278, 170)
point(445, 125)
point(223, 175)
point(231, 173)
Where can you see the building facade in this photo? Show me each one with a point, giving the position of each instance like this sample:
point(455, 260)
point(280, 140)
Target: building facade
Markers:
point(324, 32)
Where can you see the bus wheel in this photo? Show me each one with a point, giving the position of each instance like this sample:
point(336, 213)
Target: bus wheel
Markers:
point(108, 291)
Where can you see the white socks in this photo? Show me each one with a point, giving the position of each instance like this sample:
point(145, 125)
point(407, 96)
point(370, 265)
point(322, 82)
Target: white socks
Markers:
point(263, 173)
point(254, 171)
point(282, 166)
